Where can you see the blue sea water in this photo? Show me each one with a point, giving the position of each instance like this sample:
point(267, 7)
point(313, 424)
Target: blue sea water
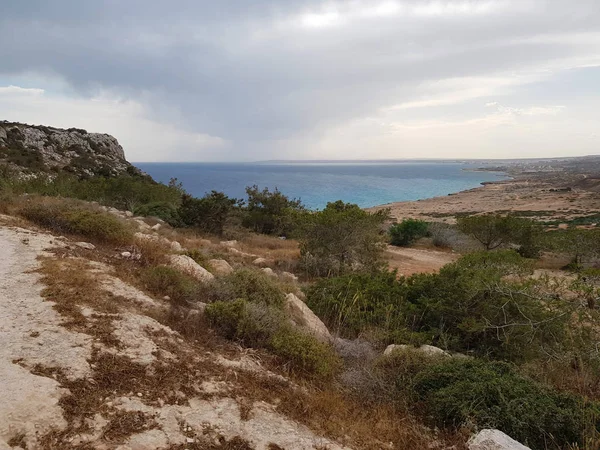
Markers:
point(316, 183)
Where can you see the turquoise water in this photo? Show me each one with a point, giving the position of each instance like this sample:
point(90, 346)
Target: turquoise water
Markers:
point(366, 184)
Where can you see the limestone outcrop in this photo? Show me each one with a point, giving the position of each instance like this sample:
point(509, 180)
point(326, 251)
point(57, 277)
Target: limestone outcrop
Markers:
point(36, 148)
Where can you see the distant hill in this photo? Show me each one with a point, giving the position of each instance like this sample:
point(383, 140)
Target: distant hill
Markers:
point(37, 148)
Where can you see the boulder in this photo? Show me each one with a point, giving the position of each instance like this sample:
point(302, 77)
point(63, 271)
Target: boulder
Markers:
point(494, 440)
point(302, 317)
point(261, 262)
point(235, 251)
point(191, 267)
point(220, 266)
point(229, 243)
point(142, 225)
point(156, 227)
point(85, 245)
point(428, 350)
point(175, 246)
point(287, 276)
point(268, 271)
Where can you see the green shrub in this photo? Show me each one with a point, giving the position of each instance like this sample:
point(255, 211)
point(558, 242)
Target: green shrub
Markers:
point(351, 304)
point(251, 285)
point(164, 280)
point(66, 217)
point(407, 231)
point(251, 324)
point(340, 239)
point(493, 395)
point(494, 231)
point(209, 213)
point(305, 353)
point(270, 212)
point(163, 210)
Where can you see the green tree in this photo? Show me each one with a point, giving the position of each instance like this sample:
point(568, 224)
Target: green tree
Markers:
point(407, 231)
point(582, 245)
point(209, 213)
point(494, 231)
point(342, 238)
point(270, 212)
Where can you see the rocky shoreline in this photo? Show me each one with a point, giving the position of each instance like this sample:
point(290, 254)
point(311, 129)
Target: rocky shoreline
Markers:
point(545, 196)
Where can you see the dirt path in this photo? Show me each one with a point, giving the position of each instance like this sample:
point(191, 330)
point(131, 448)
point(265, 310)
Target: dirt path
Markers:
point(409, 261)
point(31, 334)
point(34, 339)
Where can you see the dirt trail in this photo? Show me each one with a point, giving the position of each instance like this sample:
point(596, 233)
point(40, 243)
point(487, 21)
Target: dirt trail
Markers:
point(409, 261)
point(31, 334)
point(34, 340)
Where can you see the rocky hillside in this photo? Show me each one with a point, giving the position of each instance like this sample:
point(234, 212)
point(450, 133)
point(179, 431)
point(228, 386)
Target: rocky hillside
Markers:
point(36, 148)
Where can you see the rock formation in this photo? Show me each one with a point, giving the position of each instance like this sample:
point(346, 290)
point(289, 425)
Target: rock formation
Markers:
point(34, 149)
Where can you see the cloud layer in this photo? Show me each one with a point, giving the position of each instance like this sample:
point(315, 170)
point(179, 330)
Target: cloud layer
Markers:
point(204, 80)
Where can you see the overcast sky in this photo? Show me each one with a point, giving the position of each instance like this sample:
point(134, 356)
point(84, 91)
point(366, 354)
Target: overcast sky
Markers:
point(218, 80)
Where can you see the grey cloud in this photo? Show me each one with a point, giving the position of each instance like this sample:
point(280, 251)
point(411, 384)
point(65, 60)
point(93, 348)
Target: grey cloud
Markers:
point(244, 71)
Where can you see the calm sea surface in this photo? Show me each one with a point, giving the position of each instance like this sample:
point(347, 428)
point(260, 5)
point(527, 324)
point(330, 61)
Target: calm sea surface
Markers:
point(366, 184)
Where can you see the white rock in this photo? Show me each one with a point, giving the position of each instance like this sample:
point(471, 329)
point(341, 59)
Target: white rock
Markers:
point(85, 245)
point(142, 225)
point(428, 350)
point(126, 254)
point(287, 276)
point(260, 262)
point(128, 214)
point(494, 440)
point(268, 271)
point(229, 243)
point(188, 265)
point(235, 251)
point(156, 227)
point(302, 317)
point(393, 348)
point(176, 246)
point(220, 266)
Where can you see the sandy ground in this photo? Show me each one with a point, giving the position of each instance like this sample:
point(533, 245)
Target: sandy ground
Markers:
point(533, 198)
point(409, 261)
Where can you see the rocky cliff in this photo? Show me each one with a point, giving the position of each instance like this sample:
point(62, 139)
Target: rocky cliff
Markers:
point(35, 148)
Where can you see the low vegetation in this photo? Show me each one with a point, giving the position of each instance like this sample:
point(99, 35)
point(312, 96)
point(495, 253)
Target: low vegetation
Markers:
point(408, 231)
point(75, 218)
point(525, 346)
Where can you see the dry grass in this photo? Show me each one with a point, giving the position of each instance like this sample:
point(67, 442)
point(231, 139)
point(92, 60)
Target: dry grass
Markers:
point(330, 412)
point(325, 409)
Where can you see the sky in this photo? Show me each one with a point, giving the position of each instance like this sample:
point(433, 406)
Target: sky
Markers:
point(248, 80)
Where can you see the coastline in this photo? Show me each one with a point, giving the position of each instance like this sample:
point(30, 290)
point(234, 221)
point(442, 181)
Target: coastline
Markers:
point(539, 196)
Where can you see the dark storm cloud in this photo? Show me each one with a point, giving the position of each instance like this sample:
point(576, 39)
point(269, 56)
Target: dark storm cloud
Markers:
point(260, 70)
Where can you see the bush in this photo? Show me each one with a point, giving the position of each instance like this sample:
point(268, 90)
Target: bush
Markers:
point(352, 304)
point(493, 395)
point(251, 324)
point(408, 231)
point(163, 210)
point(305, 353)
point(449, 236)
point(494, 231)
point(270, 212)
point(209, 213)
point(67, 217)
point(251, 285)
point(263, 326)
point(164, 280)
point(340, 239)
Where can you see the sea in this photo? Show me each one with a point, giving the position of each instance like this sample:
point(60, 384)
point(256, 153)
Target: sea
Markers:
point(316, 183)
